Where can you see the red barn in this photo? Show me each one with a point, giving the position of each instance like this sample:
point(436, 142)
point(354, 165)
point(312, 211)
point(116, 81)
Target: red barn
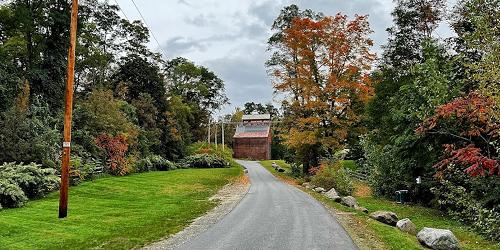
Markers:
point(252, 139)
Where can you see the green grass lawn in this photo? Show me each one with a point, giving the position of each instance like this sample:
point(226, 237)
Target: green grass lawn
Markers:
point(115, 212)
point(391, 237)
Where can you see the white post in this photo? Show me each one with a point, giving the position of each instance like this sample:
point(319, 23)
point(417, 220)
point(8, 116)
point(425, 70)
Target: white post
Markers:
point(215, 134)
point(222, 134)
point(208, 131)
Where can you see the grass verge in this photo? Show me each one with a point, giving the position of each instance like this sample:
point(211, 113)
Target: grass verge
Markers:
point(115, 212)
point(371, 234)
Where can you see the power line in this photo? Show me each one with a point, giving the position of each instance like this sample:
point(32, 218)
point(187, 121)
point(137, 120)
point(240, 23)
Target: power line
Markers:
point(123, 12)
point(150, 30)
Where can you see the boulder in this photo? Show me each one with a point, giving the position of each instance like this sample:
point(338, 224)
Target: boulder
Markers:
point(332, 194)
point(362, 209)
point(407, 226)
point(280, 170)
point(441, 239)
point(307, 185)
point(349, 201)
point(319, 190)
point(385, 217)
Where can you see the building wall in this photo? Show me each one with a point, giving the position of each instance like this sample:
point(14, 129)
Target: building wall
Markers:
point(252, 148)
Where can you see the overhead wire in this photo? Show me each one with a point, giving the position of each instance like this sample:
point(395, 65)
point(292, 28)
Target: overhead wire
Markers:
point(149, 28)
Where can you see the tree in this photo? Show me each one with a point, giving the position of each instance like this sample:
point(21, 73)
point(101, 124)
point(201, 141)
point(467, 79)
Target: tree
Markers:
point(200, 88)
point(328, 81)
point(415, 75)
point(267, 108)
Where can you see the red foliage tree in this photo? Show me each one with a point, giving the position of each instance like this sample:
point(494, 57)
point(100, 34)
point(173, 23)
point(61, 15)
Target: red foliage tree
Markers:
point(475, 134)
point(115, 148)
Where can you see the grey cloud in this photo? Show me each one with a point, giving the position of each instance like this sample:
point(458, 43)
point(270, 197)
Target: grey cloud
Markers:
point(244, 75)
point(179, 45)
point(202, 20)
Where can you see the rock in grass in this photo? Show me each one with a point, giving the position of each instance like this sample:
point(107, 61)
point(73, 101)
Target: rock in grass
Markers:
point(441, 239)
point(349, 201)
point(362, 209)
point(332, 194)
point(385, 217)
point(319, 190)
point(407, 226)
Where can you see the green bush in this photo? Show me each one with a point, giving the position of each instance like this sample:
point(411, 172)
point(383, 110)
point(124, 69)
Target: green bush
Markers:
point(154, 163)
point(204, 161)
point(82, 169)
point(11, 195)
point(205, 148)
point(473, 201)
point(333, 176)
point(33, 180)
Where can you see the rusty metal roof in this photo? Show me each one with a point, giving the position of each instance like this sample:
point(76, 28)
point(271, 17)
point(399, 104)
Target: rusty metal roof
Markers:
point(252, 130)
point(256, 117)
point(261, 134)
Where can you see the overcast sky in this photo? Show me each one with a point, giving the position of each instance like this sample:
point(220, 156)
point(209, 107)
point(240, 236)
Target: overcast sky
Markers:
point(229, 36)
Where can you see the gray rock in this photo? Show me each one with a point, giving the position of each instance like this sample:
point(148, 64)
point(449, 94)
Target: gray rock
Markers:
point(407, 226)
point(305, 184)
point(332, 194)
point(362, 209)
point(441, 239)
point(319, 190)
point(349, 201)
point(385, 217)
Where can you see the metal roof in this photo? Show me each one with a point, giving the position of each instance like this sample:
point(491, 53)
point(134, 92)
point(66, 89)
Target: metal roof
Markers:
point(252, 130)
point(256, 117)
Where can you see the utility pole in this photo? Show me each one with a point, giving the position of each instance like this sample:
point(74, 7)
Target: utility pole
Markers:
point(63, 197)
point(209, 131)
point(222, 134)
point(216, 134)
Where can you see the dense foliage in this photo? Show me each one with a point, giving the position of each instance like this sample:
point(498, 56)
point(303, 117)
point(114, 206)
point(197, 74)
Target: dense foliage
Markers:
point(129, 103)
point(18, 182)
point(433, 112)
point(204, 161)
point(323, 64)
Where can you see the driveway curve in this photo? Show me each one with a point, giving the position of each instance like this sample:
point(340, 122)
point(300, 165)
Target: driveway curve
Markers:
point(273, 215)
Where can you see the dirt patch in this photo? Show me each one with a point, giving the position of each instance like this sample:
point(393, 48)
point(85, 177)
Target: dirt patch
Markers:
point(227, 197)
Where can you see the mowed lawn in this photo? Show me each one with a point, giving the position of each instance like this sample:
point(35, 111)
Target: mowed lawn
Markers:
point(115, 212)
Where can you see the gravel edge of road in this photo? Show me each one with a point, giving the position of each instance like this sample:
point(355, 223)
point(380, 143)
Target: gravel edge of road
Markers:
point(228, 196)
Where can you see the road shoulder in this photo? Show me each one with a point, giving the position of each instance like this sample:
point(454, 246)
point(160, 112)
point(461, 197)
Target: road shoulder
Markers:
point(228, 198)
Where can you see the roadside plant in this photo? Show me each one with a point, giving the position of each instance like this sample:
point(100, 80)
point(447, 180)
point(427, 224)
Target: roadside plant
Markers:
point(333, 175)
point(115, 148)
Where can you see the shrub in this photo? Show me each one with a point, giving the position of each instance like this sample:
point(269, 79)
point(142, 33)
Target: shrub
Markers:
point(11, 195)
point(205, 148)
point(472, 201)
point(115, 148)
point(204, 161)
point(82, 169)
point(154, 163)
point(333, 176)
point(33, 180)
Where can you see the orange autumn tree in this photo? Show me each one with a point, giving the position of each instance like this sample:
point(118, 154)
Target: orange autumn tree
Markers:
point(324, 69)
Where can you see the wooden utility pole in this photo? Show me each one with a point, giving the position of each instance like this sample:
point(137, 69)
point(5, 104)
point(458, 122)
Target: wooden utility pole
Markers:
point(68, 112)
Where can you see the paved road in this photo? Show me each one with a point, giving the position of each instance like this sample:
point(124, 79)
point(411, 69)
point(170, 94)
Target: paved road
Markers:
point(273, 215)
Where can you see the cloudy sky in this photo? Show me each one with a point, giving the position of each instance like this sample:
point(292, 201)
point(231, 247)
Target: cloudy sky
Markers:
point(229, 36)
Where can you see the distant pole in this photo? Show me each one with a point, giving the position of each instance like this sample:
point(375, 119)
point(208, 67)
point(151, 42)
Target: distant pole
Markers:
point(208, 131)
point(63, 197)
point(222, 134)
point(216, 134)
